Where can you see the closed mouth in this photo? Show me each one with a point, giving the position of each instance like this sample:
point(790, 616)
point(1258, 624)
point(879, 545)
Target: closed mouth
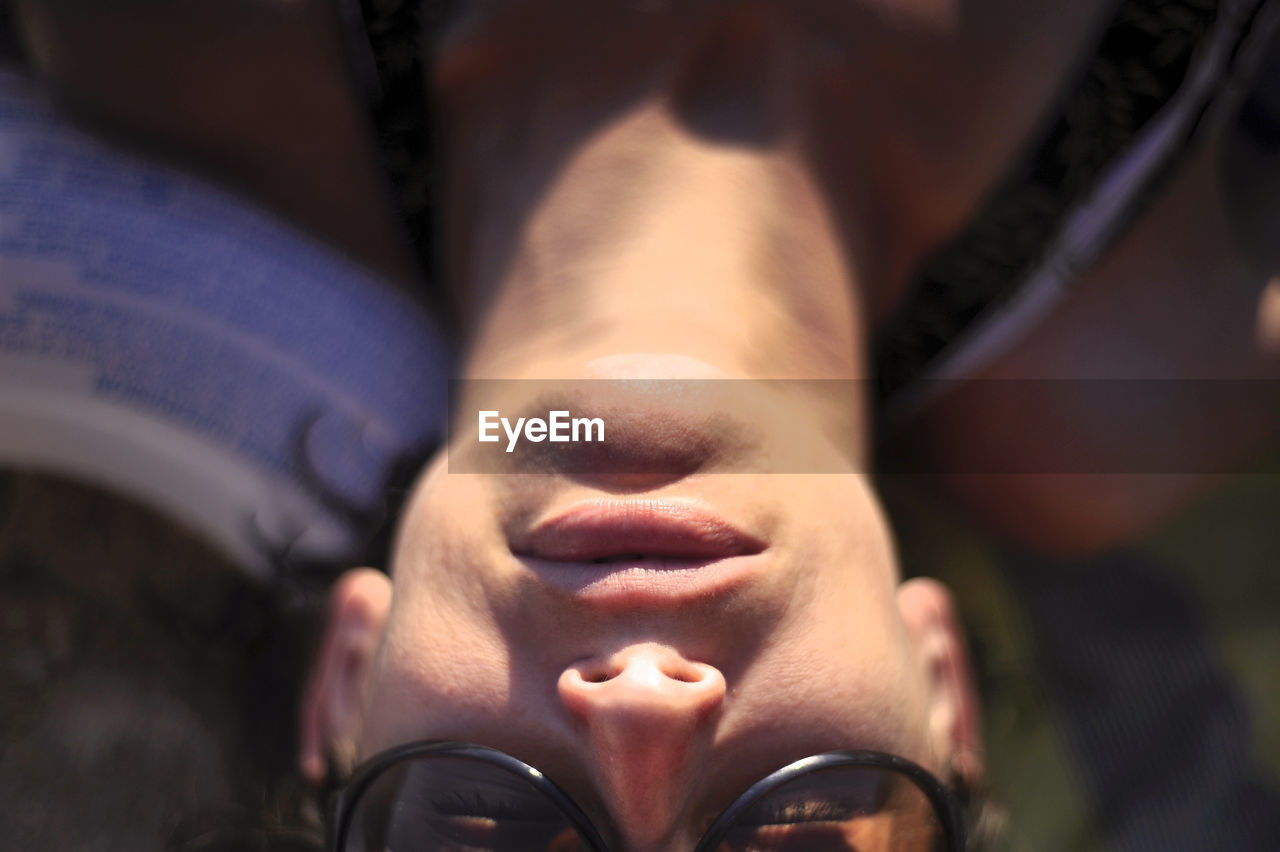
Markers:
point(603, 531)
point(639, 552)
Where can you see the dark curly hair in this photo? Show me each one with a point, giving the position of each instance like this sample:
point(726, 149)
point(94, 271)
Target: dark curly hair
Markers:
point(148, 687)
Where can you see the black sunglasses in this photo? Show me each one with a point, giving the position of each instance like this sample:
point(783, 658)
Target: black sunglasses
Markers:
point(439, 795)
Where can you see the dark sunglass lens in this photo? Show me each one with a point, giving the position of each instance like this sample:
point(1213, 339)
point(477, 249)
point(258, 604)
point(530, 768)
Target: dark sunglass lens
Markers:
point(448, 804)
point(868, 809)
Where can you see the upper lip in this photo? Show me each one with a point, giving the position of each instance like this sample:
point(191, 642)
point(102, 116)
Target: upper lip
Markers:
point(630, 530)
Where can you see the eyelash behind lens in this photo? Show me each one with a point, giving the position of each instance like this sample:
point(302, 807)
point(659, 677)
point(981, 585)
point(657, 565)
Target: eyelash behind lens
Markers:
point(814, 810)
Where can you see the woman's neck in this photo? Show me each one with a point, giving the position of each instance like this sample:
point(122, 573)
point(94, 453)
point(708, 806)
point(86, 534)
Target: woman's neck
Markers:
point(650, 240)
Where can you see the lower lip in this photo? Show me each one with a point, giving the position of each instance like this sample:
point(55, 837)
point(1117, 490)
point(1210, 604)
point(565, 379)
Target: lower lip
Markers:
point(647, 583)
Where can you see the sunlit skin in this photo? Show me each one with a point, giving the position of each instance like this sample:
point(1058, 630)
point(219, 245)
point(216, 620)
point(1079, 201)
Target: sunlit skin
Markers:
point(617, 208)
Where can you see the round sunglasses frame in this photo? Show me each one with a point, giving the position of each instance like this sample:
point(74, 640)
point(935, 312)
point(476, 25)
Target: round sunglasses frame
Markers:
point(944, 801)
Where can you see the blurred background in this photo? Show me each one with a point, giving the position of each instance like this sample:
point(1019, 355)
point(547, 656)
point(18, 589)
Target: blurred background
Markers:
point(224, 352)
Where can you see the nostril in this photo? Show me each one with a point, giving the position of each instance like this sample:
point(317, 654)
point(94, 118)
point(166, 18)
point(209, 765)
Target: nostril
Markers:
point(684, 675)
point(594, 673)
point(641, 689)
point(647, 671)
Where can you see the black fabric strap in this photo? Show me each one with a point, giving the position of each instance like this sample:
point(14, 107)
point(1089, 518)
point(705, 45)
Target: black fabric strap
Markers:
point(1141, 60)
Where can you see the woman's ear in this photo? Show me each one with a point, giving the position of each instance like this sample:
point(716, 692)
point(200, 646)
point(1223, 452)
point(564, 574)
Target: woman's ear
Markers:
point(332, 704)
point(955, 721)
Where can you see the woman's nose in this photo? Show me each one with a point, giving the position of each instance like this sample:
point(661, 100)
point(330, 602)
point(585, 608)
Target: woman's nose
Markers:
point(648, 714)
point(649, 685)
